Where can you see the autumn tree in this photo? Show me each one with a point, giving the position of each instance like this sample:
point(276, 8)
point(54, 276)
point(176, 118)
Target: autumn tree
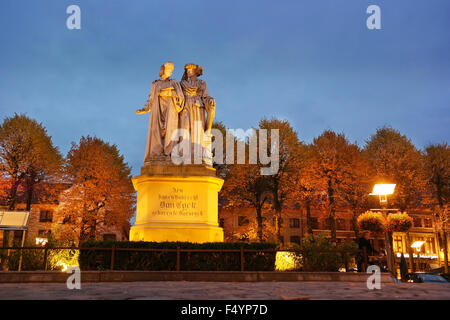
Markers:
point(246, 187)
point(356, 186)
point(27, 157)
point(437, 173)
point(282, 183)
point(396, 160)
point(101, 192)
point(334, 158)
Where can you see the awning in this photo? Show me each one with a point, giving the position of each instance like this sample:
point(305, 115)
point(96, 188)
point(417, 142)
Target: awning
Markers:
point(14, 220)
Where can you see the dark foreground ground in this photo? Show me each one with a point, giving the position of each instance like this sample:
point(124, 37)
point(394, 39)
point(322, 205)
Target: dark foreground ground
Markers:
point(225, 290)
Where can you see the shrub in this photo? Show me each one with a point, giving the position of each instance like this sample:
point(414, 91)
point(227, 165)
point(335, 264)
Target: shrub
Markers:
point(288, 260)
point(372, 221)
point(399, 222)
point(314, 260)
point(33, 259)
point(189, 261)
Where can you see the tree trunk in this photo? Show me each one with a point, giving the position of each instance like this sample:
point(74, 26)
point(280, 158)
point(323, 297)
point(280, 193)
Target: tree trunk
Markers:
point(92, 230)
point(354, 223)
point(332, 214)
point(30, 189)
point(13, 194)
point(308, 218)
point(277, 206)
point(259, 221)
point(445, 247)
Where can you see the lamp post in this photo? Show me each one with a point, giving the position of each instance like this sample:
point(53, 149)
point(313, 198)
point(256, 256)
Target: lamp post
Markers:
point(382, 190)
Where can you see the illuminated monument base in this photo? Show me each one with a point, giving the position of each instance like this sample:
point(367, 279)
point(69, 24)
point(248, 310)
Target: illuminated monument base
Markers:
point(177, 203)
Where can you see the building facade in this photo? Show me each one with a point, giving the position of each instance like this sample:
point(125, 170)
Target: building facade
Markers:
point(240, 224)
point(44, 222)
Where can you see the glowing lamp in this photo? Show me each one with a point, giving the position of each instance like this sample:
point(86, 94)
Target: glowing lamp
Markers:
point(382, 190)
point(417, 245)
point(41, 241)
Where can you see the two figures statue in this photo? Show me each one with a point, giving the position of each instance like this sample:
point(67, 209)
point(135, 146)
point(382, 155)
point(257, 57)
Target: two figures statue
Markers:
point(181, 117)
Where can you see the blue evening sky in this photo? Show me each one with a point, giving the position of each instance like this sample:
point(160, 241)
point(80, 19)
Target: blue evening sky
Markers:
point(314, 63)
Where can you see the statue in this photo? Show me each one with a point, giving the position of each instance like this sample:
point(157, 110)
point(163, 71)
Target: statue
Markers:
point(165, 103)
point(178, 202)
point(198, 113)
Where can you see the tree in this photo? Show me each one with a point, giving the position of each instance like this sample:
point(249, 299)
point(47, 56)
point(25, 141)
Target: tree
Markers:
point(356, 187)
point(246, 187)
point(437, 172)
point(306, 191)
point(395, 159)
point(282, 184)
point(101, 192)
point(334, 158)
point(27, 156)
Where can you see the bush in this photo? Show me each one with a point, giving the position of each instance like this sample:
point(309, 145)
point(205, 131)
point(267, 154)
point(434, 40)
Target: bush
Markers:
point(372, 221)
point(399, 222)
point(33, 259)
point(314, 260)
point(189, 261)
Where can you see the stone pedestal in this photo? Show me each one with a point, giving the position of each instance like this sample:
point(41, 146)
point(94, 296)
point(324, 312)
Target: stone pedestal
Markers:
point(177, 203)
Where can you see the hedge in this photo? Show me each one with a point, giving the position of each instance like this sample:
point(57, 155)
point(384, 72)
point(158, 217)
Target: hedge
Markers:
point(189, 261)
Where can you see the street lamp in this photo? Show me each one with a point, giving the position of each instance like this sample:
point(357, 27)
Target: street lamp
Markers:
point(383, 190)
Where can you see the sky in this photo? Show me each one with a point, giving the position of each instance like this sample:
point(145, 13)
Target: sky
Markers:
point(314, 63)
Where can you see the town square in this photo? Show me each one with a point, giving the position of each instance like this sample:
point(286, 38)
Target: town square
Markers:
point(229, 151)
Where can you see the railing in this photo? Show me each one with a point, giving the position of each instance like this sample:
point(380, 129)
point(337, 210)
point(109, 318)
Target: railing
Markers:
point(180, 250)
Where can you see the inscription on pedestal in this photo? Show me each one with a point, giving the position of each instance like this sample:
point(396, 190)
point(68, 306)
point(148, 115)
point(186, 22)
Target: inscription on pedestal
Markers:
point(178, 203)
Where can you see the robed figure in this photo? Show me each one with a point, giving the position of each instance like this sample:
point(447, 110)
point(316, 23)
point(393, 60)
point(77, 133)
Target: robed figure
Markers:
point(198, 113)
point(165, 102)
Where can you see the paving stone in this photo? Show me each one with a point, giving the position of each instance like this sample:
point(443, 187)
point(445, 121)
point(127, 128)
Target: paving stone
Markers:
point(224, 290)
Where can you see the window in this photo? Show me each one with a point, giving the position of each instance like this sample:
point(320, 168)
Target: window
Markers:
point(295, 239)
point(242, 221)
point(417, 222)
point(45, 216)
point(398, 244)
point(294, 223)
point(109, 236)
point(340, 224)
point(221, 222)
point(428, 223)
point(430, 246)
point(314, 223)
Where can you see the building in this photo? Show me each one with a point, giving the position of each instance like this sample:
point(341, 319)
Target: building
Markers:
point(240, 224)
point(45, 220)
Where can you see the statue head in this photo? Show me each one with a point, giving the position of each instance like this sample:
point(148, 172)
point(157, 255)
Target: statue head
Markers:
point(166, 70)
point(192, 70)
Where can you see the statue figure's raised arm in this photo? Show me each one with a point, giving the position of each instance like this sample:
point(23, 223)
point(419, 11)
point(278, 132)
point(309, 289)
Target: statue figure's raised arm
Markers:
point(149, 103)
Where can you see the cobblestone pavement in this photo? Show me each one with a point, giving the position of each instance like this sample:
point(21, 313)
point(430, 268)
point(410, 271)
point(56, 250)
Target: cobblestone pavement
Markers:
point(225, 290)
